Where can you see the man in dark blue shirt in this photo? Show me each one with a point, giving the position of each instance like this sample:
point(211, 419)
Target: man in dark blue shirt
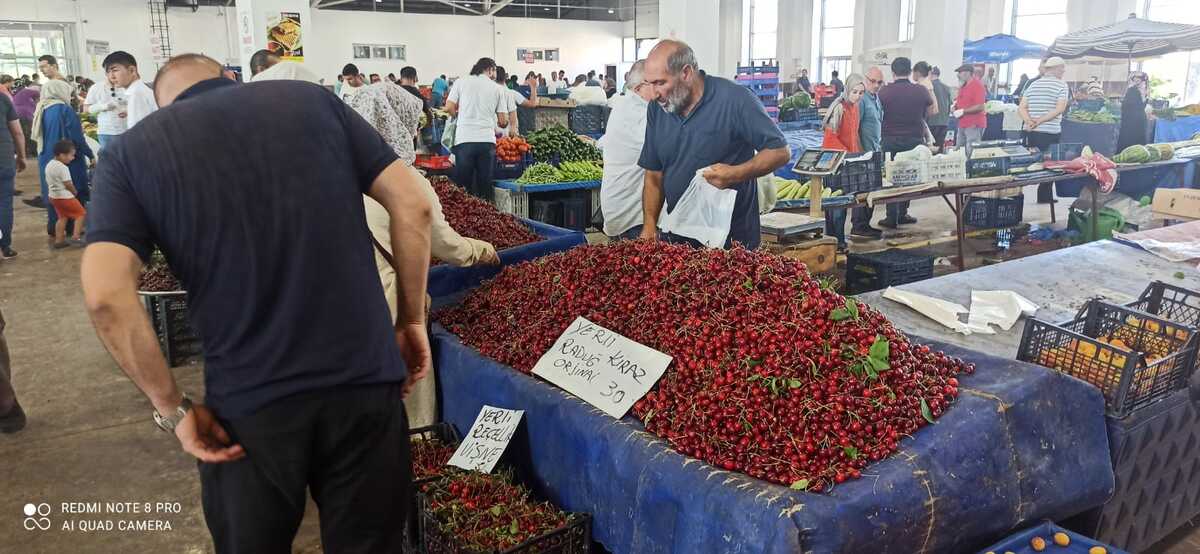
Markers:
point(703, 122)
point(304, 369)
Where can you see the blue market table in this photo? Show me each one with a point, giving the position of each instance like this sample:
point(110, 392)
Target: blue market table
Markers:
point(1021, 444)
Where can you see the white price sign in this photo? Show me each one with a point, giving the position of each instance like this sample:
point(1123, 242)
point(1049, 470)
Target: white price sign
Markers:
point(601, 367)
point(488, 438)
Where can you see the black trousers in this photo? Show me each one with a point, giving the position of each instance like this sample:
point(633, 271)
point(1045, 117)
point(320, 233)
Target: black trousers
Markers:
point(474, 163)
point(348, 444)
point(1035, 139)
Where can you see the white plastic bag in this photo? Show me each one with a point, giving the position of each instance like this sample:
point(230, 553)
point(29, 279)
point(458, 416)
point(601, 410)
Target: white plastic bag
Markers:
point(768, 194)
point(703, 213)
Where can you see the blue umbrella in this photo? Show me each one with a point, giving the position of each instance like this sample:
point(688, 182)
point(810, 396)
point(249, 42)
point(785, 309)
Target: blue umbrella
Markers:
point(1001, 49)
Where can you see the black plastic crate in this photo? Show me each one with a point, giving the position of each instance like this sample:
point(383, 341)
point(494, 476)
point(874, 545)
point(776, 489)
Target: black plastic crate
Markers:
point(1170, 302)
point(993, 213)
point(170, 320)
point(1127, 378)
point(856, 177)
point(505, 171)
point(575, 213)
point(444, 432)
point(547, 211)
point(586, 119)
point(572, 538)
point(1157, 488)
point(878, 270)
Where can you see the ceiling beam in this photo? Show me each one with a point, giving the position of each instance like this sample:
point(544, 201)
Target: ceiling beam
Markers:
point(499, 6)
point(452, 4)
point(331, 3)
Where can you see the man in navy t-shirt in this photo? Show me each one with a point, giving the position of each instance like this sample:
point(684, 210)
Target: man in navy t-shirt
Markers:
point(703, 122)
point(304, 367)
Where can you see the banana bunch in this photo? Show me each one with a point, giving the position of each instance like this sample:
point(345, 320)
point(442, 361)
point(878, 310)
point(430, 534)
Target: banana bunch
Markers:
point(791, 189)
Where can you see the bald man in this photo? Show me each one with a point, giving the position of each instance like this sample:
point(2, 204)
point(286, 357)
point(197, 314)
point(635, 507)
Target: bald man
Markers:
point(305, 369)
point(870, 131)
point(696, 123)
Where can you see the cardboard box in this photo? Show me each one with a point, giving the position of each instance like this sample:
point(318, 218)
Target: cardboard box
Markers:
point(820, 255)
point(1176, 203)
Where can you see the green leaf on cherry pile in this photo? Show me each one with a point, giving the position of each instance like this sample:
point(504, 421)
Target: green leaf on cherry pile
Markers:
point(849, 311)
point(925, 413)
point(851, 451)
point(881, 349)
point(800, 485)
point(497, 510)
point(795, 383)
point(514, 528)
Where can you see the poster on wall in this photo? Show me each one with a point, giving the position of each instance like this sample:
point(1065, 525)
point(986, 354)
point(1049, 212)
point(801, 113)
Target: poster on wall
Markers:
point(531, 55)
point(395, 52)
point(284, 37)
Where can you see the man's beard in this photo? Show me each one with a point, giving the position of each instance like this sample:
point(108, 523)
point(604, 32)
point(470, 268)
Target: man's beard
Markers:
point(676, 101)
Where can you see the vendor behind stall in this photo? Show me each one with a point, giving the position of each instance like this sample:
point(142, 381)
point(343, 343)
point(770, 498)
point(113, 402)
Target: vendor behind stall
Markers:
point(1133, 111)
point(704, 123)
point(1042, 109)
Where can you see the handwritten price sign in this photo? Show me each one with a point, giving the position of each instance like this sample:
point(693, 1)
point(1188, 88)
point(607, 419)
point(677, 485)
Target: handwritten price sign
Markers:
point(488, 438)
point(601, 367)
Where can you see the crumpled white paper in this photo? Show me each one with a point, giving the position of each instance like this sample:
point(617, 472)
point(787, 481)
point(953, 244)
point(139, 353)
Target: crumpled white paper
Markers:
point(1000, 308)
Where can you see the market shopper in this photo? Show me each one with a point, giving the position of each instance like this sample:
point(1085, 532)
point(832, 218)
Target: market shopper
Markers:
point(304, 369)
point(394, 113)
point(1134, 121)
point(587, 95)
point(408, 82)
point(48, 65)
point(905, 106)
point(25, 101)
point(969, 107)
point(63, 196)
point(479, 107)
point(352, 81)
point(841, 122)
point(12, 416)
point(6, 86)
point(54, 121)
point(122, 69)
point(513, 100)
point(940, 122)
point(261, 61)
point(440, 86)
point(803, 83)
point(709, 124)
point(12, 162)
point(107, 103)
point(375, 78)
point(837, 84)
point(1042, 108)
point(870, 134)
point(621, 186)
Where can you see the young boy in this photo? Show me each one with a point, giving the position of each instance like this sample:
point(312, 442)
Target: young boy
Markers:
point(62, 194)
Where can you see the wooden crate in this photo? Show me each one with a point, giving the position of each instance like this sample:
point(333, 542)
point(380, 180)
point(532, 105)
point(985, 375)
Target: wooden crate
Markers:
point(819, 254)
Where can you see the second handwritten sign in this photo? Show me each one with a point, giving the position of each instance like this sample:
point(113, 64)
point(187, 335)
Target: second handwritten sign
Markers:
point(601, 367)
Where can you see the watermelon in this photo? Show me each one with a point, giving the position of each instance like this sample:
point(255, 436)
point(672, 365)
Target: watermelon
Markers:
point(1164, 151)
point(1136, 154)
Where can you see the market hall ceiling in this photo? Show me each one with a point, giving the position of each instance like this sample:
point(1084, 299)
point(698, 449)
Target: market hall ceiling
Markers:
point(596, 10)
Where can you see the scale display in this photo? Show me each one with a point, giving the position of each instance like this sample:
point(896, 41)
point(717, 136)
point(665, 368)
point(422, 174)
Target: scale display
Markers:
point(819, 162)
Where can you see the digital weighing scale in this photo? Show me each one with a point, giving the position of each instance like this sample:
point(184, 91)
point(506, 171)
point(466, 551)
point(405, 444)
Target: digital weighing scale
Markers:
point(817, 164)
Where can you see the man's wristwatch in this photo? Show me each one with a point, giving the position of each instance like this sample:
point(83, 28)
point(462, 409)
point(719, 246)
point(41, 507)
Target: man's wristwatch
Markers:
point(168, 422)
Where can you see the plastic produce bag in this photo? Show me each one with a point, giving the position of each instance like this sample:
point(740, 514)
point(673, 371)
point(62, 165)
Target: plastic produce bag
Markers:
point(936, 309)
point(998, 307)
point(703, 213)
point(768, 194)
point(448, 133)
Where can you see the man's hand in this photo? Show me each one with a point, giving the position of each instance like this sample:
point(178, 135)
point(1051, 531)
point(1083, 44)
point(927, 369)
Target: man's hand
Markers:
point(723, 176)
point(648, 233)
point(414, 347)
point(205, 439)
point(20, 163)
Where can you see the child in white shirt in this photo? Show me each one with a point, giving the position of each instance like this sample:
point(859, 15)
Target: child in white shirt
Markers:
point(62, 195)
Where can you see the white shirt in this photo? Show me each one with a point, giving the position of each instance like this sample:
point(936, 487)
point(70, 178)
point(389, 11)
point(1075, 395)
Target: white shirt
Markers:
point(589, 96)
point(621, 188)
point(348, 91)
point(57, 173)
point(140, 103)
point(108, 106)
point(479, 99)
point(289, 71)
point(513, 99)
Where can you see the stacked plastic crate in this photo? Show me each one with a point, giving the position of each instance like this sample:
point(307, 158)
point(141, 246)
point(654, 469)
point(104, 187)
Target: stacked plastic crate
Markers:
point(763, 80)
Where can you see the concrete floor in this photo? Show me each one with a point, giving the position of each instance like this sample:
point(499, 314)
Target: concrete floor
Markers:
point(90, 437)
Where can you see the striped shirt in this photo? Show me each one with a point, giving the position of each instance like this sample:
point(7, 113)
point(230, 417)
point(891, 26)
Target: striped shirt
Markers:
point(1042, 97)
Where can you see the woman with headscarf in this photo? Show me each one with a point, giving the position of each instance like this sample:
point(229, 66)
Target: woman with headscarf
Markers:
point(841, 121)
point(53, 121)
point(1133, 111)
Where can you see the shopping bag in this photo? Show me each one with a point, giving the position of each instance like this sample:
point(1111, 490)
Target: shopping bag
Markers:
point(448, 133)
point(703, 213)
